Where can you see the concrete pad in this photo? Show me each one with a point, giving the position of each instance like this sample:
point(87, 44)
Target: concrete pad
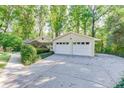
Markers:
point(54, 80)
point(64, 71)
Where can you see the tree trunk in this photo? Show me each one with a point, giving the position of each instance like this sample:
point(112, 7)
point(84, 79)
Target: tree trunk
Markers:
point(4, 49)
point(5, 30)
point(78, 25)
point(56, 34)
point(93, 25)
point(85, 32)
point(40, 33)
point(102, 46)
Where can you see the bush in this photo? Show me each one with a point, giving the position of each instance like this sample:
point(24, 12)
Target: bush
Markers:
point(28, 54)
point(107, 50)
point(42, 50)
point(120, 84)
point(120, 51)
point(44, 55)
point(8, 40)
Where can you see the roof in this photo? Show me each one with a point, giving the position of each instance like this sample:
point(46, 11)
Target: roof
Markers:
point(28, 41)
point(44, 39)
point(77, 35)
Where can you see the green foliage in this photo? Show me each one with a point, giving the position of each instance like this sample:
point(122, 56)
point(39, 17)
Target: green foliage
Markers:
point(115, 35)
point(42, 16)
point(4, 57)
point(57, 18)
point(79, 16)
point(24, 21)
point(2, 65)
point(42, 50)
point(6, 17)
point(44, 55)
point(12, 41)
point(28, 54)
point(75, 14)
point(120, 84)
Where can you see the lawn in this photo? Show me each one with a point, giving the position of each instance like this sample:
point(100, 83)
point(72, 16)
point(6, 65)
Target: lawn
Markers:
point(4, 57)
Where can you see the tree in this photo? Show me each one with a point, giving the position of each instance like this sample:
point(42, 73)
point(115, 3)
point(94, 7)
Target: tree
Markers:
point(42, 17)
point(97, 12)
point(115, 25)
point(24, 21)
point(7, 40)
point(5, 17)
point(85, 16)
point(75, 13)
point(57, 18)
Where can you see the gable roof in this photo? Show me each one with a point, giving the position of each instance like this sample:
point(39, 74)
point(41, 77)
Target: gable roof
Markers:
point(43, 39)
point(76, 35)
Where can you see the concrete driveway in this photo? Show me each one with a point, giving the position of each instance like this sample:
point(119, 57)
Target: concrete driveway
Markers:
point(64, 71)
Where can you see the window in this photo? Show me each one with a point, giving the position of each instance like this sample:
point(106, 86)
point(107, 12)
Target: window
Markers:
point(57, 43)
point(63, 43)
point(78, 43)
point(67, 43)
point(74, 43)
point(87, 43)
point(60, 43)
point(82, 43)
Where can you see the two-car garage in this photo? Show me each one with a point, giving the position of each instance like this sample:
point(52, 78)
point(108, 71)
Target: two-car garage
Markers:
point(74, 44)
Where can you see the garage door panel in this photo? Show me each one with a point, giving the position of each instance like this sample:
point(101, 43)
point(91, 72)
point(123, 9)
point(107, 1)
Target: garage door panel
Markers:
point(82, 49)
point(63, 49)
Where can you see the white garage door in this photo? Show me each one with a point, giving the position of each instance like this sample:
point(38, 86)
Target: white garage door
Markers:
point(82, 48)
point(63, 48)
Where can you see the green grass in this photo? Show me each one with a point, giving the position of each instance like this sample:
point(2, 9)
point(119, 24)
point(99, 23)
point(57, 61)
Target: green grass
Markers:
point(2, 65)
point(4, 57)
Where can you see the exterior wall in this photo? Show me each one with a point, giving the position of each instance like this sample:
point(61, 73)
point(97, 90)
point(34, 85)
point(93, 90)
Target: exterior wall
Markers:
point(74, 38)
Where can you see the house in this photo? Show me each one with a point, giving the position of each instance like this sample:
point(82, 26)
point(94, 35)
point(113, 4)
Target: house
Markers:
point(74, 44)
point(27, 41)
point(40, 42)
point(44, 41)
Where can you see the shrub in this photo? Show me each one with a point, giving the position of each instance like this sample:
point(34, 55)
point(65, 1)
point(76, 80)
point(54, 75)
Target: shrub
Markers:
point(120, 84)
point(16, 43)
point(99, 47)
point(42, 50)
point(44, 55)
point(28, 54)
point(8, 40)
point(107, 50)
point(120, 51)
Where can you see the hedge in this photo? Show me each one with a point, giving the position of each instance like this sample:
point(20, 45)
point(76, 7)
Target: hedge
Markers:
point(28, 54)
point(42, 50)
point(44, 55)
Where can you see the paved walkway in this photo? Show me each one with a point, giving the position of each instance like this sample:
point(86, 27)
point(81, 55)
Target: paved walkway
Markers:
point(64, 71)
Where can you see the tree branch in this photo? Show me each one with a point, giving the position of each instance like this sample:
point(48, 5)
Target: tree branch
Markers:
point(107, 10)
